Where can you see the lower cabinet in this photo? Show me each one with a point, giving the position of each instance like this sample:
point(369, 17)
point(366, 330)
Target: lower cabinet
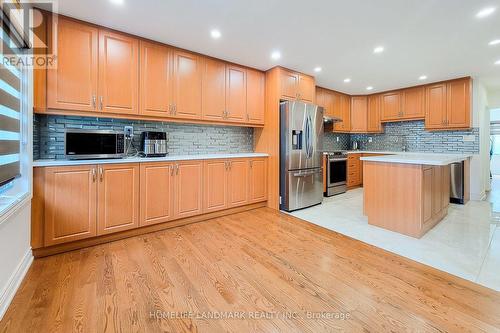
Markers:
point(436, 192)
point(92, 200)
point(354, 170)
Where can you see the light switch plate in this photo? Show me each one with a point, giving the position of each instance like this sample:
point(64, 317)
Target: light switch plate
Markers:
point(129, 131)
point(469, 138)
point(370, 139)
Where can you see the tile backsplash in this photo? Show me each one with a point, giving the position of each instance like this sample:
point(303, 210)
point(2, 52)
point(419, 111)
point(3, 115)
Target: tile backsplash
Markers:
point(191, 139)
point(413, 136)
point(184, 139)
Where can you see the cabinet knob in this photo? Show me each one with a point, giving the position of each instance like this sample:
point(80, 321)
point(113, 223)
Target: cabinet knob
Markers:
point(94, 101)
point(101, 174)
point(93, 175)
point(101, 99)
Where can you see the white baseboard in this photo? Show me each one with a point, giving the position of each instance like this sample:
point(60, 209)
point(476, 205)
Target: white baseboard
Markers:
point(14, 283)
point(478, 196)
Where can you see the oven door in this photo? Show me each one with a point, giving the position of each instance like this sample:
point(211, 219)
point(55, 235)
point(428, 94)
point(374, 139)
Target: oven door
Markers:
point(337, 172)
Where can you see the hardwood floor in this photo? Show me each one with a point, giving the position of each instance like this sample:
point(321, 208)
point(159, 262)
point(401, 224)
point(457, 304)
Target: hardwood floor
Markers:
point(271, 268)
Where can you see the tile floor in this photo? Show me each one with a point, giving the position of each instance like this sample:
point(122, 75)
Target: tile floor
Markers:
point(466, 243)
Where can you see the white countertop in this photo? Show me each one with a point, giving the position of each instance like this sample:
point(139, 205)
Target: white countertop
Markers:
point(52, 162)
point(419, 158)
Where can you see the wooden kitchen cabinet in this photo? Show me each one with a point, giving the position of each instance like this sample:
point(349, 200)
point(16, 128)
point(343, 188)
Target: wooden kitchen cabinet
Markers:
point(214, 89)
point(359, 114)
point(413, 103)
point(296, 86)
point(156, 190)
point(374, 125)
point(238, 182)
point(258, 180)
point(236, 93)
point(118, 73)
point(344, 105)
point(215, 185)
point(187, 85)
point(391, 106)
point(72, 85)
point(448, 105)
point(155, 85)
point(256, 84)
point(70, 202)
point(188, 197)
point(354, 172)
point(325, 99)
point(118, 198)
point(436, 193)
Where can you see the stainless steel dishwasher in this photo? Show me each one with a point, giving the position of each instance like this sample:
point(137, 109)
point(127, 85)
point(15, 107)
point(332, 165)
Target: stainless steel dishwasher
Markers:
point(457, 183)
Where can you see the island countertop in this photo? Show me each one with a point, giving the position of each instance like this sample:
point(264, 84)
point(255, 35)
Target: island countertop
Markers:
point(422, 159)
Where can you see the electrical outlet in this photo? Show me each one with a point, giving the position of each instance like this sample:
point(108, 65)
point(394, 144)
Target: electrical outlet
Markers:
point(129, 131)
point(370, 139)
point(338, 139)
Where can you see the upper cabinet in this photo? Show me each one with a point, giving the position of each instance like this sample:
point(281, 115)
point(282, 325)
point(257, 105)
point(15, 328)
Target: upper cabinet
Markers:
point(118, 73)
point(187, 82)
point(373, 119)
point(342, 109)
point(325, 99)
point(448, 105)
point(72, 84)
point(407, 104)
point(155, 80)
point(297, 86)
point(99, 70)
point(359, 114)
point(256, 84)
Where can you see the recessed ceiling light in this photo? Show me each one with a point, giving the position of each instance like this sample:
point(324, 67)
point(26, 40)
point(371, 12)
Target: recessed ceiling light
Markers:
point(422, 77)
point(494, 42)
point(215, 34)
point(318, 69)
point(485, 12)
point(369, 88)
point(378, 49)
point(276, 55)
point(497, 62)
point(347, 80)
point(117, 2)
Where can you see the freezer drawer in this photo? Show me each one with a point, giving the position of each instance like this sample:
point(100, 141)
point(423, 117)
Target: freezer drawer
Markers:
point(302, 188)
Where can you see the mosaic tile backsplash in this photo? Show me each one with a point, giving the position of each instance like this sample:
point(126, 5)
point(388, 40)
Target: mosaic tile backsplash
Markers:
point(184, 139)
point(413, 136)
point(190, 139)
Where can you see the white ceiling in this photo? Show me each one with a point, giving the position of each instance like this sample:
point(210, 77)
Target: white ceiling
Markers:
point(439, 38)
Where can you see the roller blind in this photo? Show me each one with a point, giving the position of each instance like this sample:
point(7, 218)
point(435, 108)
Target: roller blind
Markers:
point(10, 111)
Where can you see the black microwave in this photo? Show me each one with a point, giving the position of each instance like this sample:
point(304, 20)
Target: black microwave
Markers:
point(93, 144)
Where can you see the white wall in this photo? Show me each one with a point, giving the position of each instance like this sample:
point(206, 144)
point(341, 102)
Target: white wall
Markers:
point(480, 166)
point(15, 253)
point(494, 99)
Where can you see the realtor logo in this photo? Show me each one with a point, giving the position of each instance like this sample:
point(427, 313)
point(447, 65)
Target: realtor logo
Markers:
point(29, 34)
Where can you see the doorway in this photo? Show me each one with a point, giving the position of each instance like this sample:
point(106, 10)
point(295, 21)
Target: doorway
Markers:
point(494, 194)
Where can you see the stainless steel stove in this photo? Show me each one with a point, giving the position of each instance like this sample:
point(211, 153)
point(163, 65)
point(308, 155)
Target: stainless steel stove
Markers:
point(336, 172)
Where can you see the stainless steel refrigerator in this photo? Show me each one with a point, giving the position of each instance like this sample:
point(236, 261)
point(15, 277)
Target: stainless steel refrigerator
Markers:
point(301, 144)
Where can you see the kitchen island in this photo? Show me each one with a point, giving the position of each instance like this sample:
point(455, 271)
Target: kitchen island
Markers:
point(408, 193)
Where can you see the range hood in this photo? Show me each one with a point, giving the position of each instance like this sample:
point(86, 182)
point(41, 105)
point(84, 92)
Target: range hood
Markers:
point(329, 119)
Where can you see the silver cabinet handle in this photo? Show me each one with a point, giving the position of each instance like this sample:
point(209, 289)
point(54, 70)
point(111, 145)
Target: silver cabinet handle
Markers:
point(177, 169)
point(93, 175)
point(94, 101)
point(251, 164)
point(172, 168)
point(101, 174)
point(101, 102)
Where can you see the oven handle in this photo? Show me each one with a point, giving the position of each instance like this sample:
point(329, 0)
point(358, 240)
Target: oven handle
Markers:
point(307, 173)
point(337, 159)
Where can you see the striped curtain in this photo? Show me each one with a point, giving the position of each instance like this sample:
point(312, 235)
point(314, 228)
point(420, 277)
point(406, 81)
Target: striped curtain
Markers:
point(10, 112)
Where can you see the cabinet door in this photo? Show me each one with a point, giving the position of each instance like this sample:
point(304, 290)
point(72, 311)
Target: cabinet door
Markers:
point(236, 93)
point(345, 106)
point(187, 84)
point(306, 88)
point(437, 188)
point(255, 96)
point(445, 200)
point(118, 73)
point(353, 170)
point(188, 189)
point(70, 203)
point(391, 106)
point(374, 124)
point(337, 111)
point(155, 80)
point(118, 198)
point(73, 84)
point(238, 183)
point(413, 103)
point(359, 114)
point(459, 104)
point(156, 188)
point(258, 180)
point(215, 189)
point(289, 84)
point(214, 89)
point(435, 106)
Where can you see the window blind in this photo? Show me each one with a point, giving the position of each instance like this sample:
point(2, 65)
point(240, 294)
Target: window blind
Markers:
point(10, 111)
